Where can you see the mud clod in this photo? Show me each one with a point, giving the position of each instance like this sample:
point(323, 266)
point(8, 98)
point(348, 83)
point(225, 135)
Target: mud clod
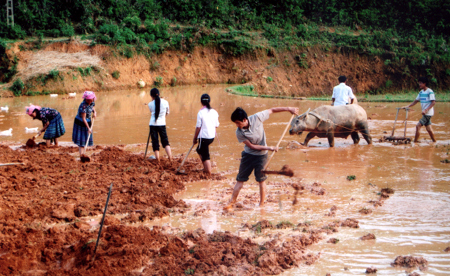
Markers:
point(410, 262)
point(371, 270)
point(349, 222)
point(333, 240)
point(365, 211)
point(367, 237)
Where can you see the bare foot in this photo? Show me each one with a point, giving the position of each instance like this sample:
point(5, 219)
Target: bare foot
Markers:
point(228, 207)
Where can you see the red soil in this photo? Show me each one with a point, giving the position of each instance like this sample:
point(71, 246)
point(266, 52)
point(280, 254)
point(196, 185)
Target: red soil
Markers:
point(44, 226)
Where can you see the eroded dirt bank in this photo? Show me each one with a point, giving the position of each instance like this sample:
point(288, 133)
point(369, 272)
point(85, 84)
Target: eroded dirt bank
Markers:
point(305, 72)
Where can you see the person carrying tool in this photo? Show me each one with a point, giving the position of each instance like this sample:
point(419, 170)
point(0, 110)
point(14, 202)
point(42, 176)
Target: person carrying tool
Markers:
point(250, 131)
point(427, 101)
point(159, 108)
point(342, 93)
point(52, 122)
point(205, 131)
point(83, 121)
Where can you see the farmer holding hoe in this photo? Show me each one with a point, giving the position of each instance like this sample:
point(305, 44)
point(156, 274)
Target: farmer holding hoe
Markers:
point(427, 101)
point(205, 131)
point(82, 124)
point(52, 122)
point(250, 131)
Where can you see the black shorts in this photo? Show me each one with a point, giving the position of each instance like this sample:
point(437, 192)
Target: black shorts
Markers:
point(203, 148)
point(161, 130)
point(250, 162)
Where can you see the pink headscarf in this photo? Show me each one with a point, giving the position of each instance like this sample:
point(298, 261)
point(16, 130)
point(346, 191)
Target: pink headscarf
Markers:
point(29, 109)
point(89, 95)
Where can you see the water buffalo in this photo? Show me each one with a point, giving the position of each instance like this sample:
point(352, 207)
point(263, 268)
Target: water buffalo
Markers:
point(333, 121)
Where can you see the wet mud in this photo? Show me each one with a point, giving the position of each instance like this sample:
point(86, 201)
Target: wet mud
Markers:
point(51, 206)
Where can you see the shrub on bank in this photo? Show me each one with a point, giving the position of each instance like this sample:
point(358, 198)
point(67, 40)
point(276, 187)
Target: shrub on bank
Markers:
point(17, 87)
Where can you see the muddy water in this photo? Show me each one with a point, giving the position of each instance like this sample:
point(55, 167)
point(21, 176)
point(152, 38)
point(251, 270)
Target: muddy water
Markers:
point(415, 220)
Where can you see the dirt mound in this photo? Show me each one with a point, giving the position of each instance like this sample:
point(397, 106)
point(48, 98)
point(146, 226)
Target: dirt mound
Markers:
point(45, 228)
point(349, 222)
point(410, 262)
point(369, 236)
point(53, 182)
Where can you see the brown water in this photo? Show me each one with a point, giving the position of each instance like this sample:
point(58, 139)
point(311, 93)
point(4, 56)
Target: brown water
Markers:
point(413, 221)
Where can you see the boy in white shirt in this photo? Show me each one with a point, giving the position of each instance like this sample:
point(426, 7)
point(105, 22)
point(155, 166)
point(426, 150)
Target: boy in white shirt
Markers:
point(427, 101)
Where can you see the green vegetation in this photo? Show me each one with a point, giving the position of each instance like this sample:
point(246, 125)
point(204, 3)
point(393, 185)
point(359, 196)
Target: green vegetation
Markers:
point(404, 32)
point(410, 37)
point(116, 74)
point(159, 81)
point(243, 90)
point(401, 96)
point(351, 177)
point(17, 87)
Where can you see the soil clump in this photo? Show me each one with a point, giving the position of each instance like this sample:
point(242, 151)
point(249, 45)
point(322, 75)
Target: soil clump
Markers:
point(367, 237)
point(371, 270)
point(410, 262)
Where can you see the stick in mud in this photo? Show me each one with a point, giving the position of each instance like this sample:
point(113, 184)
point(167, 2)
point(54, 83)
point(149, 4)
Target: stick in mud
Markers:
point(103, 220)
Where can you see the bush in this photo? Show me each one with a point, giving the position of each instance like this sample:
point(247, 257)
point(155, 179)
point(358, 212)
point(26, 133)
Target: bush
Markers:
point(17, 87)
point(173, 82)
point(159, 81)
point(67, 30)
point(116, 74)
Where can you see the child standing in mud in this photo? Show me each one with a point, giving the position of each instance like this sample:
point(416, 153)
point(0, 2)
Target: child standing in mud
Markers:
point(159, 108)
point(205, 131)
point(427, 101)
point(250, 131)
point(52, 122)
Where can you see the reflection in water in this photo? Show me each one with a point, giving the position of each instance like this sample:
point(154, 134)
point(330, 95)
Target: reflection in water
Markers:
point(413, 221)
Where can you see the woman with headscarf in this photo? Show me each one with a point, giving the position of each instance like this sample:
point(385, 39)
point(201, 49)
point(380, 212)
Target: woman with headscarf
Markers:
point(159, 108)
point(83, 122)
point(205, 131)
point(52, 122)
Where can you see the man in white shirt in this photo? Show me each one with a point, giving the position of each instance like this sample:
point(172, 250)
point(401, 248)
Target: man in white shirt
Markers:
point(342, 93)
point(427, 101)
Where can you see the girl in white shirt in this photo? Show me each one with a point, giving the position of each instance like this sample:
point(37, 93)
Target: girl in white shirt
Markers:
point(159, 108)
point(205, 131)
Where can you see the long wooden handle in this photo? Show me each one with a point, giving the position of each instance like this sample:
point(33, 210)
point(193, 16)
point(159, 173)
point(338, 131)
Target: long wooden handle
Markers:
point(89, 136)
point(11, 164)
point(182, 163)
point(282, 136)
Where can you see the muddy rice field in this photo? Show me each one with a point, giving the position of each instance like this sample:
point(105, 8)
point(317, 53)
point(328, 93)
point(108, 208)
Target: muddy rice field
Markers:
point(348, 210)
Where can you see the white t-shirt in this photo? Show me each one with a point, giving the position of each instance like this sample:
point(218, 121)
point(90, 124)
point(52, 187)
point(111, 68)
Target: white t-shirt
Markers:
point(163, 110)
point(341, 94)
point(425, 98)
point(207, 120)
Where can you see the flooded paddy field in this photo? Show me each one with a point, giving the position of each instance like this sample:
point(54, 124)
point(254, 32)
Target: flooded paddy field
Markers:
point(50, 207)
